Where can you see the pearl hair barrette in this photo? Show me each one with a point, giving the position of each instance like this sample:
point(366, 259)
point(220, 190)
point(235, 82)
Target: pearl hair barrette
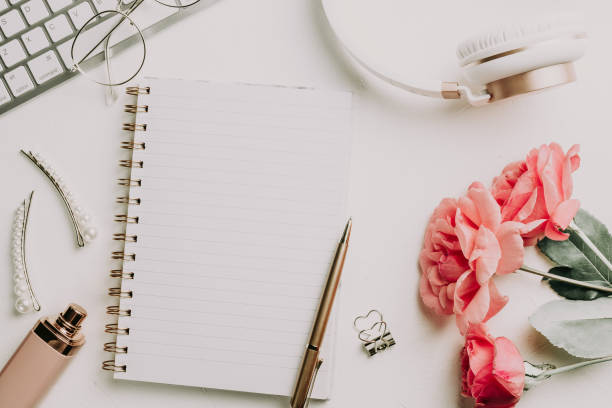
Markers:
point(81, 221)
point(26, 299)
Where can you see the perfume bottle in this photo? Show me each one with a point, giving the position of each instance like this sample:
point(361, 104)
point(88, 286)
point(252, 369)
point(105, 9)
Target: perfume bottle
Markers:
point(41, 357)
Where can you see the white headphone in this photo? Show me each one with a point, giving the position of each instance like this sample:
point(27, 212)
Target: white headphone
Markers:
point(511, 60)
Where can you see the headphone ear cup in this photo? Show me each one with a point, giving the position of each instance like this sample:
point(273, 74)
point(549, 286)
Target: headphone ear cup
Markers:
point(515, 50)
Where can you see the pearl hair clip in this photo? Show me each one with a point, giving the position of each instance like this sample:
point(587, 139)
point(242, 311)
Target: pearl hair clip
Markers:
point(26, 299)
point(80, 220)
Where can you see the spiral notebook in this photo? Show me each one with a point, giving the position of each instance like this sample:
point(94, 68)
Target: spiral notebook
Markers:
point(235, 200)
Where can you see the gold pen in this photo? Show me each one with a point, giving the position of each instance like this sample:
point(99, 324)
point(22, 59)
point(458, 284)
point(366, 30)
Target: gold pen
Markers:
point(311, 362)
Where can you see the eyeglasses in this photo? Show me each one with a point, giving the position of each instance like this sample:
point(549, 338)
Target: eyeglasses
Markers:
point(101, 35)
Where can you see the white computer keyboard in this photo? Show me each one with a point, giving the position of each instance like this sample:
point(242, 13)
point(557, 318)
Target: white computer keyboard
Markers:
point(35, 41)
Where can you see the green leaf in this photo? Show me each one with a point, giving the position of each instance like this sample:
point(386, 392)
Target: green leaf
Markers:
point(583, 329)
point(578, 261)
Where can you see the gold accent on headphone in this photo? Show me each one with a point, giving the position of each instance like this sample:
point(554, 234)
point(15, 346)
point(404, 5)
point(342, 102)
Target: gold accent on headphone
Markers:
point(131, 163)
point(134, 90)
point(113, 328)
point(123, 255)
point(126, 219)
point(136, 108)
point(531, 81)
point(110, 365)
point(450, 90)
point(118, 273)
point(115, 310)
point(128, 200)
point(133, 145)
point(112, 347)
point(129, 182)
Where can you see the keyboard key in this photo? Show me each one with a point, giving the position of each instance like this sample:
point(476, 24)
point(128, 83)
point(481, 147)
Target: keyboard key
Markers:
point(4, 95)
point(3, 5)
point(35, 40)
point(57, 5)
point(64, 51)
point(19, 81)
point(58, 27)
point(12, 52)
point(14, 1)
point(104, 5)
point(45, 67)
point(34, 11)
point(11, 23)
point(80, 14)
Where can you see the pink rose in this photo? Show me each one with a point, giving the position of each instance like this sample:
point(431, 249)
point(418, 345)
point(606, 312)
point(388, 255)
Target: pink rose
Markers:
point(491, 247)
point(539, 189)
point(504, 184)
point(465, 244)
point(441, 259)
point(492, 369)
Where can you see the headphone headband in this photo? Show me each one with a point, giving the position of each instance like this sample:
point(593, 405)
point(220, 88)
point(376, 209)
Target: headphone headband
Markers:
point(511, 72)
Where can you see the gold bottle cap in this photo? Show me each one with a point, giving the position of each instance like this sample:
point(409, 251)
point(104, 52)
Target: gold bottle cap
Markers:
point(74, 315)
point(69, 321)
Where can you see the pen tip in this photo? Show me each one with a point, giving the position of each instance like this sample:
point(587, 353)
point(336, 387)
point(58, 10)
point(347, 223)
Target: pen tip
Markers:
point(347, 230)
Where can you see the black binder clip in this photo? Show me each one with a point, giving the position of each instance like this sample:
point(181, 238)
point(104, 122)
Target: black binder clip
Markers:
point(373, 332)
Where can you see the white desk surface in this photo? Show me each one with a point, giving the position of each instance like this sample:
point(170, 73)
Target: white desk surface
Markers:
point(407, 153)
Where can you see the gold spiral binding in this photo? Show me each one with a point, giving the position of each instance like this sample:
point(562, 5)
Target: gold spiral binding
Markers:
point(133, 145)
point(122, 255)
point(125, 237)
point(119, 273)
point(129, 182)
point(126, 219)
point(110, 365)
point(128, 200)
point(136, 108)
point(134, 90)
point(135, 127)
point(131, 163)
point(115, 310)
point(117, 292)
point(113, 328)
point(112, 347)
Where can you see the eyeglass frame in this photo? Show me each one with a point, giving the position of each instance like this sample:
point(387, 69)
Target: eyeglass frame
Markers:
point(125, 16)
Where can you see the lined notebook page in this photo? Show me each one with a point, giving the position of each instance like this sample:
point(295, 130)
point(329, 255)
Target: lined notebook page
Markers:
point(242, 205)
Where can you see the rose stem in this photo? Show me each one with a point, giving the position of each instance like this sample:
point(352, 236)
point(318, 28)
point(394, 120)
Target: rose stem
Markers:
point(577, 365)
point(566, 280)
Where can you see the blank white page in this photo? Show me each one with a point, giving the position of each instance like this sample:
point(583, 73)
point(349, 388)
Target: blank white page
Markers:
point(242, 195)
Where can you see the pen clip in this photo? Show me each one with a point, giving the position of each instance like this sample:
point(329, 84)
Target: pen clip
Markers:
point(312, 381)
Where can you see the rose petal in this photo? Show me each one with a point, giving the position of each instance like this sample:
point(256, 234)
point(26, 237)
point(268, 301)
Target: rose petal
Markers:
point(451, 266)
point(508, 366)
point(486, 254)
point(553, 233)
point(574, 157)
point(489, 393)
point(472, 301)
point(519, 197)
point(480, 347)
point(497, 302)
point(565, 213)
point(488, 209)
point(465, 233)
point(551, 177)
point(429, 298)
point(511, 246)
